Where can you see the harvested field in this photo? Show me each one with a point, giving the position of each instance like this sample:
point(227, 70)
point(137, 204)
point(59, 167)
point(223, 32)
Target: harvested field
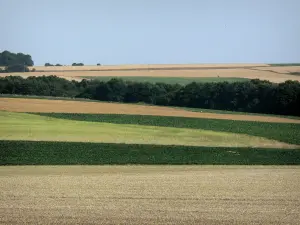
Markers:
point(150, 195)
point(43, 105)
point(248, 71)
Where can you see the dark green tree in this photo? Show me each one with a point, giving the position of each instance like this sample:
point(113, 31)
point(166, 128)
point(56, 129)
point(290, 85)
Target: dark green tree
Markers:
point(8, 59)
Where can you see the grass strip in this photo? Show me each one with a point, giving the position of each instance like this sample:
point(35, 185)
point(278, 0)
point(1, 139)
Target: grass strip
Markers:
point(75, 153)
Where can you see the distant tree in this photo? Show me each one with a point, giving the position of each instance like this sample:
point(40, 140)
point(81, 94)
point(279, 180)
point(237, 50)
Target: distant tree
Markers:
point(98, 64)
point(77, 64)
point(49, 64)
point(8, 58)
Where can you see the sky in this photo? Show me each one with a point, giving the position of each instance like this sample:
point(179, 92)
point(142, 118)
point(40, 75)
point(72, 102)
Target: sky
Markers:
point(114, 32)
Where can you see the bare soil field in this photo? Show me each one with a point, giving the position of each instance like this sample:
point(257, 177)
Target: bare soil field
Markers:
point(249, 71)
point(149, 195)
point(62, 106)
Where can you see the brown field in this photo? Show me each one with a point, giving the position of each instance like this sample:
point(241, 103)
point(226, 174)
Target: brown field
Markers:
point(62, 106)
point(250, 71)
point(150, 195)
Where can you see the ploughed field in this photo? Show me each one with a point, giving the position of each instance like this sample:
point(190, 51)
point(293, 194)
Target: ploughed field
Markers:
point(172, 73)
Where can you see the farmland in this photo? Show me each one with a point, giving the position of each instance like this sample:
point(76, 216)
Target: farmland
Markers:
point(34, 127)
point(215, 72)
point(159, 136)
point(150, 195)
point(129, 163)
point(69, 106)
point(82, 153)
point(81, 161)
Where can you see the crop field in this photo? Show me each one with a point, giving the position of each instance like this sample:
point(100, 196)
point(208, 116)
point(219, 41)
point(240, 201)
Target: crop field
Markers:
point(215, 72)
point(83, 153)
point(202, 110)
point(35, 127)
point(76, 162)
point(50, 123)
point(62, 106)
point(150, 195)
point(275, 131)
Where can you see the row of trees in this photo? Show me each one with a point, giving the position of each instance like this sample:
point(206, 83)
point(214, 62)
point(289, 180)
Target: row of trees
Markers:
point(250, 96)
point(73, 64)
point(49, 64)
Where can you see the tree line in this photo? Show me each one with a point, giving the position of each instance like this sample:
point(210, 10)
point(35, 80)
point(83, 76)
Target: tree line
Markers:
point(73, 64)
point(254, 96)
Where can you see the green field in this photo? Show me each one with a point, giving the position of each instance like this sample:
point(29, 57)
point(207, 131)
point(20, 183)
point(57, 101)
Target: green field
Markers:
point(23, 126)
point(69, 153)
point(170, 80)
point(288, 133)
point(95, 139)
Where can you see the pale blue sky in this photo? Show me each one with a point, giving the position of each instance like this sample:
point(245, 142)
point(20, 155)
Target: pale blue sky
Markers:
point(152, 31)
